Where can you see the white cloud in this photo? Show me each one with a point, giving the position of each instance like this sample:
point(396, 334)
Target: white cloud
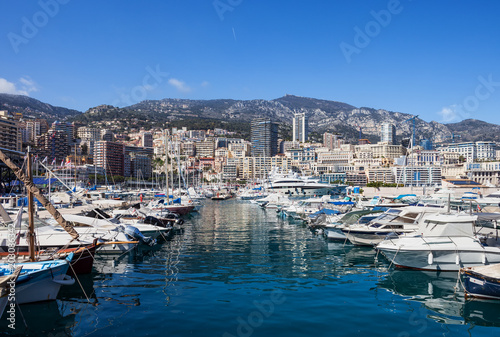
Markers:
point(179, 85)
point(448, 114)
point(205, 84)
point(27, 84)
point(24, 86)
point(7, 87)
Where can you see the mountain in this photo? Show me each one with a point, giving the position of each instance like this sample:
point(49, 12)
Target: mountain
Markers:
point(323, 115)
point(235, 115)
point(474, 130)
point(32, 107)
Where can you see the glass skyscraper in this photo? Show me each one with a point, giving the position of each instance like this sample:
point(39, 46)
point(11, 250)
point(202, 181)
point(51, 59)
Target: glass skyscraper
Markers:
point(264, 137)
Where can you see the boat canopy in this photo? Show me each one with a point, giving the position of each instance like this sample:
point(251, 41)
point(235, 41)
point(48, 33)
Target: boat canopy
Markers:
point(352, 217)
point(401, 196)
point(448, 225)
point(325, 211)
point(340, 203)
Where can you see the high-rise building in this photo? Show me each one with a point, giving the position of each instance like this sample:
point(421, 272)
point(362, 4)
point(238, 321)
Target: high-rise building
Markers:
point(264, 136)
point(66, 128)
point(332, 141)
point(53, 145)
point(140, 166)
point(110, 156)
point(205, 148)
point(86, 134)
point(300, 127)
point(147, 139)
point(388, 133)
point(10, 137)
point(33, 130)
point(107, 135)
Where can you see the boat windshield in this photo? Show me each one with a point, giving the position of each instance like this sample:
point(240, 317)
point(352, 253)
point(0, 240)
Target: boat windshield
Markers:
point(406, 218)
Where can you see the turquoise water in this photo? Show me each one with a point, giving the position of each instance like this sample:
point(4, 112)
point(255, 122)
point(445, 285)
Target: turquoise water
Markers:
point(238, 270)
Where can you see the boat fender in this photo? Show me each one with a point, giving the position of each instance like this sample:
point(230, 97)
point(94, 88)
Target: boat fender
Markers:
point(65, 281)
point(457, 259)
point(430, 258)
point(483, 258)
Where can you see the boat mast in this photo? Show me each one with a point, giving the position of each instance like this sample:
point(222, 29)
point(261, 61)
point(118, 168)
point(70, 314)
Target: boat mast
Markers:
point(31, 220)
point(75, 168)
point(45, 203)
point(166, 166)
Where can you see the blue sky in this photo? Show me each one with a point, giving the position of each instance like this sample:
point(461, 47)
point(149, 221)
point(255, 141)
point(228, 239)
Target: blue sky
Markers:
point(437, 59)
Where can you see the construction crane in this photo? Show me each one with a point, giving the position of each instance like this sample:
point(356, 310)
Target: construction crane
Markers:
point(453, 135)
point(413, 132)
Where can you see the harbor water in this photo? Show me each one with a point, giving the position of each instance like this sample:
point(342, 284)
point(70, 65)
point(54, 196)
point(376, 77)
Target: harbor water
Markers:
point(238, 270)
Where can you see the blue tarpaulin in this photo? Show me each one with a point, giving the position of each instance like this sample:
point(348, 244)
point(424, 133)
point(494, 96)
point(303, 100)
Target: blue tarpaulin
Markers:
point(24, 201)
point(324, 211)
point(339, 203)
point(378, 208)
point(36, 181)
point(257, 188)
point(401, 196)
point(161, 195)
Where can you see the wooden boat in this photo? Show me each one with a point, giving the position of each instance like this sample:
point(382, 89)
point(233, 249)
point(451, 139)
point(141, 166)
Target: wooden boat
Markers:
point(40, 280)
point(482, 281)
point(82, 262)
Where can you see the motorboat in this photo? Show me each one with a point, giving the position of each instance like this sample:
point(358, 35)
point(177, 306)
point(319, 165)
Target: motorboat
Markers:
point(395, 221)
point(160, 205)
point(446, 242)
point(333, 230)
point(251, 194)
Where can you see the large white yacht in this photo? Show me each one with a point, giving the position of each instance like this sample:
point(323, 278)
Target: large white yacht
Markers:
point(293, 184)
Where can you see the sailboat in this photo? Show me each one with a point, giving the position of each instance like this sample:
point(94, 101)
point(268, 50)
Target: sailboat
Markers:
point(38, 280)
point(174, 206)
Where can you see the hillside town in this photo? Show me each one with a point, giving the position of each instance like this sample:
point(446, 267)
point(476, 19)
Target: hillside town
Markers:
point(101, 154)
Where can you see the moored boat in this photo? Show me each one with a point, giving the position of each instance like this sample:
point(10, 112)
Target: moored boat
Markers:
point(482, 281)
point(445, 242)
point(40, 280)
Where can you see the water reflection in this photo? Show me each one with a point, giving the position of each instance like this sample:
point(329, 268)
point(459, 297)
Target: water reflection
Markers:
point(443, 295)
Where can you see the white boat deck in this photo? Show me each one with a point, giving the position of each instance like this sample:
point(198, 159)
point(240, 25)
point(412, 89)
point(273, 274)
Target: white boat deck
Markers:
point(492, 270)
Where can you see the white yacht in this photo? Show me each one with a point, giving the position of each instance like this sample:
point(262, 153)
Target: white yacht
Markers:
point(446, 242)
point(298, 186)
point(395, 221)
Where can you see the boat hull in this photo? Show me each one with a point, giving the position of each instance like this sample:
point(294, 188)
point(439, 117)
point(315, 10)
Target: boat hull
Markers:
point(479, 285)
point(42, 284)
point(181, 210)
point(366, 238)
point(301, 191)
point(334, 234)
point(441, 260)
point(82, 262)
